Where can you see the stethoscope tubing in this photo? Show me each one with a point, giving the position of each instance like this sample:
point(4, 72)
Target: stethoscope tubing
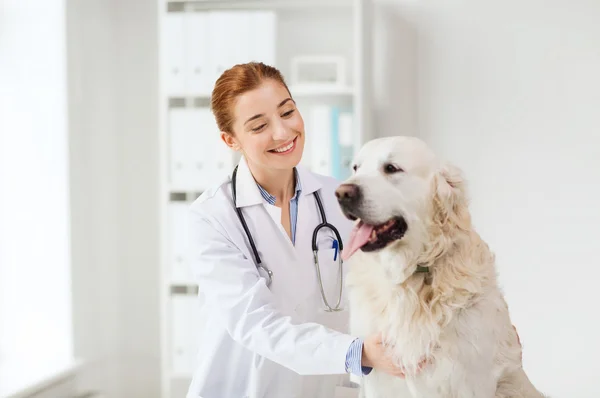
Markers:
point(323, 224)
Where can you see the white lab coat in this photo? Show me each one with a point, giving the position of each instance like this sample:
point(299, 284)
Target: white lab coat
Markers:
point(259, 341)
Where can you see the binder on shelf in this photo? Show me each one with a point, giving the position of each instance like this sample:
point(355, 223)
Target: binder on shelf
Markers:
point(187, 327)
point(174, 53)
point(179, 267)
point(202, 147)
point(346, 144)
point(192, 62)
point(180, 132)
point(231, 40)
point(198, 157)
point(217, 157)
point(197, 52)
point(334, 135)
point(263, 36)
point(320, 138)
point(331, 141)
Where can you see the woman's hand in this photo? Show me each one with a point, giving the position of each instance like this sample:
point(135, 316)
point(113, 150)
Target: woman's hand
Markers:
point(374, 356)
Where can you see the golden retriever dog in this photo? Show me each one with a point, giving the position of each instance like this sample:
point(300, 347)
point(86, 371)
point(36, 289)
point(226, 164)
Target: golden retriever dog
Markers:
point(420, 273)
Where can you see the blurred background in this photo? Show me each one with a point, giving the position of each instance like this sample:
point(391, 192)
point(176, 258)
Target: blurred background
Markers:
point(106, 137)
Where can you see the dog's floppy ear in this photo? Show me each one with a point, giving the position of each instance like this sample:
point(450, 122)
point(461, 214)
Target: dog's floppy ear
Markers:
point(450, 199)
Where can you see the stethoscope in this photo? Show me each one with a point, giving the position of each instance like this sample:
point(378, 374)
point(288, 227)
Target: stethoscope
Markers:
point(324, 224)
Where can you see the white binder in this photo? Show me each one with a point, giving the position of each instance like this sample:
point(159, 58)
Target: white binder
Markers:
point(223, 160)
point(188, 324)
point(197, 47)
point(173, 54)
point(231, 32)
point(182, 334)
point(206, 149)
point(200, 147)
point(198, 54)
point(263, 36)
point(181, 165)
point(179, 270)
point(320, 140)
point(199, 158)
point(346, 143)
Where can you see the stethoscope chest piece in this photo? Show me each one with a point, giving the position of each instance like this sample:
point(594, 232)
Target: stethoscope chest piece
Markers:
point(266, 273)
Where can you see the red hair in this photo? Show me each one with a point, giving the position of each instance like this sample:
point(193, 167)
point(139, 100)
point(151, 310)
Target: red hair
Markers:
point(235, 82)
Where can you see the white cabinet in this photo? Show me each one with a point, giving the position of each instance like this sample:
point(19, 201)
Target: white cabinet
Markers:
point(198, 41)
point(196, 47)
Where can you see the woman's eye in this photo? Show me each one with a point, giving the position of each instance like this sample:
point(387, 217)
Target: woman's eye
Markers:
point(255, 129)
point(390, 168)
point(286, 114)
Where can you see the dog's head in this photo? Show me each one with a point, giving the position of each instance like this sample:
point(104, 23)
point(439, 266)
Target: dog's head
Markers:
point(402, 197)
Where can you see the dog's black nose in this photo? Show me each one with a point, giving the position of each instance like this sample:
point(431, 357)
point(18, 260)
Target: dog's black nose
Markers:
point(348, 193)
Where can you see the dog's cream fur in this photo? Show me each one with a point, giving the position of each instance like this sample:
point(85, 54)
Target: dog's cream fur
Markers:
point(455, 316)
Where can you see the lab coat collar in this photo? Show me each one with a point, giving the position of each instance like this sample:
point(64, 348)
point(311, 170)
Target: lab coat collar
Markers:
point(248, 193)
point(309, 181)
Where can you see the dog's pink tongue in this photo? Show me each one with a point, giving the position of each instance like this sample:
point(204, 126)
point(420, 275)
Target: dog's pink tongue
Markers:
point(358, 237)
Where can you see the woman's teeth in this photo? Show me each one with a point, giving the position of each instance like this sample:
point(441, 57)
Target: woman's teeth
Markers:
point(285, 148)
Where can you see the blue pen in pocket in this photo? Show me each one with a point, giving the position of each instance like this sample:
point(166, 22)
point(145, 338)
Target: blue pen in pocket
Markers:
point(335, 246)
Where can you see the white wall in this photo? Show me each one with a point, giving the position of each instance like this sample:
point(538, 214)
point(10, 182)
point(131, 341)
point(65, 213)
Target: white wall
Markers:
point(112, 63)
point(137, 102)
point(35, 294)
point(510, 91)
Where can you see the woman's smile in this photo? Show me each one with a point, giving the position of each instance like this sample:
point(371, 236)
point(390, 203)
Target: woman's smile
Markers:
point(286, 148)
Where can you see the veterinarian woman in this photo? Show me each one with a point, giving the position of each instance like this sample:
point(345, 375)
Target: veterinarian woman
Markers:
point(269, 332)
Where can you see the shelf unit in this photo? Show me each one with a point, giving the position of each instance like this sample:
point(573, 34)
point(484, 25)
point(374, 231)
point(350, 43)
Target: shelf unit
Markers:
point(189, 42)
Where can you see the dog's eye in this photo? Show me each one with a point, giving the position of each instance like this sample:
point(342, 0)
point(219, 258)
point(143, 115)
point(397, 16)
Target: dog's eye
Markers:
point(392, 168)
point(355, 167)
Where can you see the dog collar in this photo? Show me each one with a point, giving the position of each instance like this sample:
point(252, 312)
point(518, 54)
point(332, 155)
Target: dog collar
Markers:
point(421, 268)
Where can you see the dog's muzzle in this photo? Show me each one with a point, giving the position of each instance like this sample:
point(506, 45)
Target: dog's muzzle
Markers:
point(349, 197)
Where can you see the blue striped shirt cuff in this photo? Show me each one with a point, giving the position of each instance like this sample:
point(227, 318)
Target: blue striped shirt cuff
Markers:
point(354, 359)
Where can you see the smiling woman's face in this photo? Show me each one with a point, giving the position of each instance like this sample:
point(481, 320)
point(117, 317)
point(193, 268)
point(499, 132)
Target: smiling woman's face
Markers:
point(268, 128)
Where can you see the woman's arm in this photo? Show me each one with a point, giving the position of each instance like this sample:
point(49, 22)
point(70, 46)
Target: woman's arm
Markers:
point(245, 307)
